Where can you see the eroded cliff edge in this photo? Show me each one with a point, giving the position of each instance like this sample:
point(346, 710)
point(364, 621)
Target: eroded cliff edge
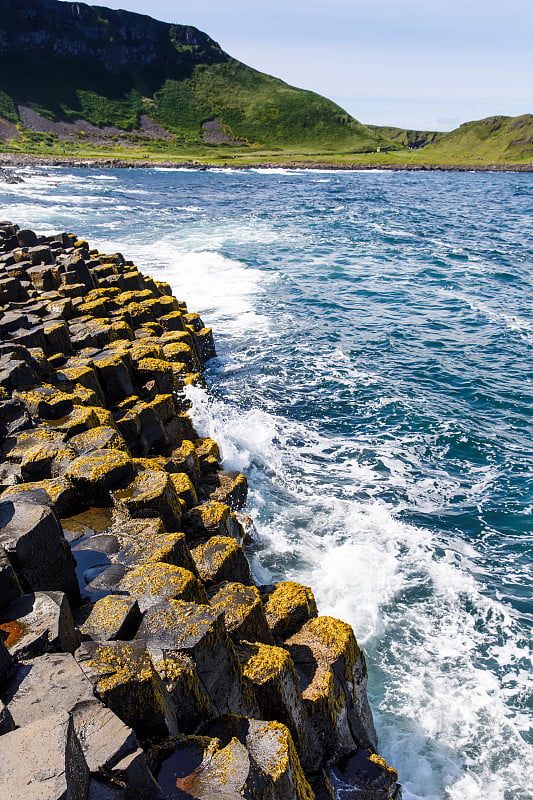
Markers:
point(140, 659)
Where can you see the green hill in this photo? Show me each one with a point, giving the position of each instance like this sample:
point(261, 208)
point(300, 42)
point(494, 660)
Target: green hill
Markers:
point(497, 139)
point(406, 137)
point(74, 75)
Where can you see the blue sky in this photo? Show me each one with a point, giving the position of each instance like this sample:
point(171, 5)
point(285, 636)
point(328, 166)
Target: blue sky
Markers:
point(415, 63)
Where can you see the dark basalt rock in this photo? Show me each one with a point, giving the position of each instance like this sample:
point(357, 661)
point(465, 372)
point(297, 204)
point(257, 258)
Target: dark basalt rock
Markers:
point(36, 548)
point(42, 623)
point(94, 430)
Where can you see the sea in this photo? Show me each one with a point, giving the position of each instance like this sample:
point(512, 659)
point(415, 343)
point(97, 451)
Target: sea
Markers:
point(374, 333)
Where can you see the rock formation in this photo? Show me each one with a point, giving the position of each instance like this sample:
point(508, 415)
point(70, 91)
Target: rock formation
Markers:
point(138, 658)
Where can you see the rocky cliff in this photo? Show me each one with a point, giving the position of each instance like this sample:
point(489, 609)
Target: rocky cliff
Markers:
point(71, 62)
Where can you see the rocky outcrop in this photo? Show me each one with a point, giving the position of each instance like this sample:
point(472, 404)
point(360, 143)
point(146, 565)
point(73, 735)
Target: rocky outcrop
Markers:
point(138, 658)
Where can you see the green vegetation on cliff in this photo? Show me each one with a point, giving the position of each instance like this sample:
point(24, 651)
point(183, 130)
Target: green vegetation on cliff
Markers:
point(69, 61)
point(406, 137)
point(91, 82)
point(495, 138)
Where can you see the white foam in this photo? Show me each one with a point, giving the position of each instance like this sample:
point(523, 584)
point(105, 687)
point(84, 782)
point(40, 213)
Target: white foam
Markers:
point(444, 718)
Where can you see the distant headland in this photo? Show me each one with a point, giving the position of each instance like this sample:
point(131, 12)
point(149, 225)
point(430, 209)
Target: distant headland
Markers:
point(87, 83)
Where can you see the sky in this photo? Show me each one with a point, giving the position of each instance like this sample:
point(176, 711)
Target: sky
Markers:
point(412, 63)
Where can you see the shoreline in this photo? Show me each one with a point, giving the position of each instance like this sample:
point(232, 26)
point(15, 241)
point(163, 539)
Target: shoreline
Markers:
point(13, 161)
point(140, 651)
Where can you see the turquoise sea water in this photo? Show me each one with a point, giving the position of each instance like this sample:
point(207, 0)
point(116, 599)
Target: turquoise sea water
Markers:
point(375, 335)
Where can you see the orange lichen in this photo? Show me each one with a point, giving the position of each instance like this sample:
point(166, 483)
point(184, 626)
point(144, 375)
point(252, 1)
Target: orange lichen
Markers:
point(15, 631)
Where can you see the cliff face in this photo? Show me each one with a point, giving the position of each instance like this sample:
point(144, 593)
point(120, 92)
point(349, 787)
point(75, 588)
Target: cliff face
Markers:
point(71, 61)
point(117, 40)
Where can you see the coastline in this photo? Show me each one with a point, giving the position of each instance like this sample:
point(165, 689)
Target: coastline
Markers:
point(175, 662)
point(12, 160)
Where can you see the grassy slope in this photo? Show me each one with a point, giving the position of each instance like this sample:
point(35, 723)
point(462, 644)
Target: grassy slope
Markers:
point(406, 137)
point(186, 86)
point(498, 139)
point(260, 110)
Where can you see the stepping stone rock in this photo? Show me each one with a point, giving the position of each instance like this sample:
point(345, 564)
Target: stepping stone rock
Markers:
point(39, 623)
point(35, 546)
point(165, 581)
point(221, 559)
point(212, 519)
point(43, 761)
point(112, 617)
point(93, 475)
point(45, 686)
point(125, 680)
point(243, 610)
point(112, 753)
point(334, 677)
point(288, 606)
point(198, 631)
point(152, 494)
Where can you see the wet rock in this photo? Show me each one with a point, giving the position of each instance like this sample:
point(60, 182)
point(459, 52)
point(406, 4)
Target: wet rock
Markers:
point(36, 548)
point(39, 623)
point(366, 776)
point(184, 459)
point(208, 455)
point(288, 605)
point(106, 580)
point(243, 610)
point(334, 677)
point(200, 769)
point(113, 617)
point(205, 344)
point(124, 679)
point(226, 486)
point(221, 559)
